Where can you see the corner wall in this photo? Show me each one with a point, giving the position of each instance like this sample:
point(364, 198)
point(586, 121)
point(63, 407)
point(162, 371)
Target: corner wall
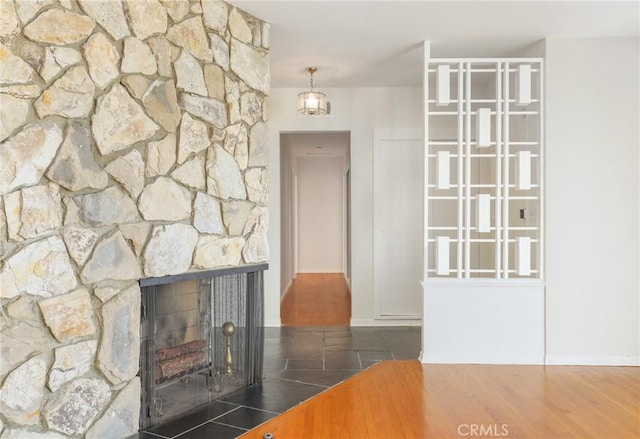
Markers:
point(134, 145)
point(593, 201)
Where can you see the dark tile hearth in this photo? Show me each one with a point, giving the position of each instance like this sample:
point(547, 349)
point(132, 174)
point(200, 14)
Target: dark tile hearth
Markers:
point(299, 363)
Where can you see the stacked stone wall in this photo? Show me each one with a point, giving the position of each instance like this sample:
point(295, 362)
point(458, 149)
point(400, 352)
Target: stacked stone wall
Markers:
point(133, 144)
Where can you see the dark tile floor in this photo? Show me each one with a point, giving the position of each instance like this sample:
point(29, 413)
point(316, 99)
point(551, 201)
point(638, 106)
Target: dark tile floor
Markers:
point(299, 363)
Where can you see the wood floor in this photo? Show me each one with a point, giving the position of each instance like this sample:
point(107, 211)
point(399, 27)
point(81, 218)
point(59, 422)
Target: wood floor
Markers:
point(406, 399)
point(317, 299)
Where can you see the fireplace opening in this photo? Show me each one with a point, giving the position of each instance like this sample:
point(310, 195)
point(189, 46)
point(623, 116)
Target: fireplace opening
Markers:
point(201, 338)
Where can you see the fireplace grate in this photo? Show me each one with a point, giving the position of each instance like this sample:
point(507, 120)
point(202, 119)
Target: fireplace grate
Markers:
point(202, 337)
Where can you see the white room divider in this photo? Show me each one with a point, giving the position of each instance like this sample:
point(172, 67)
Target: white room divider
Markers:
point(484, 210)
point(484, 166)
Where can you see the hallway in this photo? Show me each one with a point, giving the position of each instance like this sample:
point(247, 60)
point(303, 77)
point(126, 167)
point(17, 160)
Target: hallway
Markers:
point(317, 299)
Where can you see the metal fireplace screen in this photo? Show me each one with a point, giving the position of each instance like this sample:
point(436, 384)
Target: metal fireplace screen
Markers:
point(201, 338)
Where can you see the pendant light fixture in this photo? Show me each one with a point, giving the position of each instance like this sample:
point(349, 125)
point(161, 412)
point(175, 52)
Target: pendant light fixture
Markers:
point(312, 102)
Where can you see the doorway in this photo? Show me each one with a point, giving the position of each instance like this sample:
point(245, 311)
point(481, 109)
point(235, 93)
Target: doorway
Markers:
point(315, 235)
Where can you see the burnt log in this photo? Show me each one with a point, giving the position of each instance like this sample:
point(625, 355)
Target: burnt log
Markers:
point(177, 351)
point(179, 366)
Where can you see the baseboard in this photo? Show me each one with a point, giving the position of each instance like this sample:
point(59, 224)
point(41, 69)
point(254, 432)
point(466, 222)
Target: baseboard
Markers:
point(591, 360)
point(481, 359)
point(373, 322)
point(272, 323)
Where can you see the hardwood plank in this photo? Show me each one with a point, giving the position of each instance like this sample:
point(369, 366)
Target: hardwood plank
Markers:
point(406, 399)
point(317, 299)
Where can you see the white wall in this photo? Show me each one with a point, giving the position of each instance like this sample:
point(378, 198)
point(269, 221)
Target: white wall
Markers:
point(359, 111)
point(592, 198)
point(320, 213)
point(592, 201)
point(286, 226)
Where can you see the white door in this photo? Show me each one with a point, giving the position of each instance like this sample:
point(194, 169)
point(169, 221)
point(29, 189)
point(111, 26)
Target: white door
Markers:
point(398, 167)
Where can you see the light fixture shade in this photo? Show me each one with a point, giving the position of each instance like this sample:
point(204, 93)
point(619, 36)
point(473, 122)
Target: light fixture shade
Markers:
point(312, 103)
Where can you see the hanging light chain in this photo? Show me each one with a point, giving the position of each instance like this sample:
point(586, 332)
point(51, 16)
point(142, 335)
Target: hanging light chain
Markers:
point(311, 71)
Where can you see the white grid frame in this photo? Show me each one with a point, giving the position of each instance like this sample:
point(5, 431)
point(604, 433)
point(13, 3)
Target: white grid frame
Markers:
point(459, 106)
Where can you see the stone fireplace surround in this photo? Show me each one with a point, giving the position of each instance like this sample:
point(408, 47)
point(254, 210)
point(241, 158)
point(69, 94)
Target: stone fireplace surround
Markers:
point(133, 146)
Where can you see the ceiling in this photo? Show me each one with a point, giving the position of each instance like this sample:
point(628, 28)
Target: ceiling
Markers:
point(379, 43)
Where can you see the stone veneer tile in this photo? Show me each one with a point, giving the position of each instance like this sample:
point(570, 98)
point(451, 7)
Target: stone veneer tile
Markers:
point(24, 309)
point(215, 15)
point(80, 242)
point(256, 249)
point(138, 58)
point(251, 65)
point(210, 110)
point(70, 66)
point(19, 91)
point(110, 16)
point(220, 49)
point(25, 156)
point(84, 398)
point(22, 392)
point(223, 176)
point(161, 49)
point(71, 362)
point(20, 341)
point(237, 139)
point(177, 9)
point(213, 251)
point(207, 217)
point(165, 200)
point(112, 259)
point(191, 173)
point(128, 170)
point(69, 316)
point(161, 156)
point(41, 268)
point(70, 96)
point(189, 34)
point(102, 58)
point(75, 168)
point(13, 69)
point(13, 114)
point(59, 27)
point(119, 352)
point(9, 23)
point(136, 234)
point(235, 215)
point(119, 122)
point(107, 207)
point(33, 211)
point(239, 27)
point(189, 74)
point(257, 185)
point(258, 145)
point(251, 108)
point(121, 419)
point(161, 102)
point(170, 250)
point(147, 18)
point(194, 137)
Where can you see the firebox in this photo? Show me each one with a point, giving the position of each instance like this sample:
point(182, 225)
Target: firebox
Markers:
point(201, 338)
